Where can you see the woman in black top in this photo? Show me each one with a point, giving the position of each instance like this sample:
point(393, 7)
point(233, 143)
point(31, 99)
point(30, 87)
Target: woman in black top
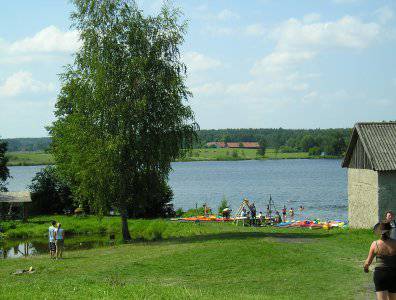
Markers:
point(384, 250)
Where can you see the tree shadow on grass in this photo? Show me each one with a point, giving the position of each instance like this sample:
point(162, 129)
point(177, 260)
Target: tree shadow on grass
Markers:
point(298, 237)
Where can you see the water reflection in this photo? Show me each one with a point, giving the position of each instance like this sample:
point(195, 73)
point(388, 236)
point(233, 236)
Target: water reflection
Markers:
point(22, 248)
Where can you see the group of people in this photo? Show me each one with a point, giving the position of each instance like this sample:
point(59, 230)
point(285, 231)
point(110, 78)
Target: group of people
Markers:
point(384, 252)
point(251, 215)
point(257, 219)
point(56, 236)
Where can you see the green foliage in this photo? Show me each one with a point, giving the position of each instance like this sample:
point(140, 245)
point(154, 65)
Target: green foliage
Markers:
point(50, 194)
point(179, 212)
point(235, 153)
point(4, 172)
point(28, 144)
point(223, 204)
point(194, 212)
point(287, 149)
point(263, 146)
point(121, 114)
point(314, 151)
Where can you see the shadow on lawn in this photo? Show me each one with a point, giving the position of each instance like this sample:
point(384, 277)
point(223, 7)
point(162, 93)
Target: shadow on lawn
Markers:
point(297, 237)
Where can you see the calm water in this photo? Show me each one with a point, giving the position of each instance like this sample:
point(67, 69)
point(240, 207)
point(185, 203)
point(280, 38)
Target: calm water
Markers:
point(320, 185)
point(20, 248)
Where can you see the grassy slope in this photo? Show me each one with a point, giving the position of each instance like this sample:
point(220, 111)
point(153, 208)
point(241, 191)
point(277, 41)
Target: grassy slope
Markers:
point(204, 261)
point(40, 158)
point(29, 158)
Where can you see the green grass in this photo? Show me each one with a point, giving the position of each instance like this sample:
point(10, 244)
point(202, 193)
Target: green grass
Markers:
point(29, 158)
point(203, 261)
point(239, 154)
point(146, 230)
point(210, 154)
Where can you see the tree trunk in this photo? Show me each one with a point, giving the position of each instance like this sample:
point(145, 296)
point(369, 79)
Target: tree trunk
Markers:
point(126, 236)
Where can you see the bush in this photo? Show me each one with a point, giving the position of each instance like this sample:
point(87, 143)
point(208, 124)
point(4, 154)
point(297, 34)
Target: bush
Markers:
point(194, 212)
point(314, 151)
point(223, 204)
point(287, 149)
point(179, 212)
point(49, 193)
point(152, 197)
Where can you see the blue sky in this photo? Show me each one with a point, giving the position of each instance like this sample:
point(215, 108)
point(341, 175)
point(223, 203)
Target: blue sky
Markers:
point(255, 64)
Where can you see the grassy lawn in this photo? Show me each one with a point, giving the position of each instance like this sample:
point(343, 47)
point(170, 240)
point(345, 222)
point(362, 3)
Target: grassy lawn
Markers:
point(200, 261)
point(29, 158)
point(41, 158)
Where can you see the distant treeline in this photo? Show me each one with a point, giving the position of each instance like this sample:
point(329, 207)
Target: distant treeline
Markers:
point(28, 144)
point(314, 141)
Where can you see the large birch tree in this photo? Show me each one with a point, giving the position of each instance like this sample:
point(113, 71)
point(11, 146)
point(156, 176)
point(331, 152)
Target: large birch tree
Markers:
point(122, 112)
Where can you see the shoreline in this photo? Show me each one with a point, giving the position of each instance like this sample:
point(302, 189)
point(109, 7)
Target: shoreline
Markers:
point(25, 159)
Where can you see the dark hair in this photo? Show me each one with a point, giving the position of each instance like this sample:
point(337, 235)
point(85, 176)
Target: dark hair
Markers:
point(53, 223)
point(389, 212)
point(385, 228)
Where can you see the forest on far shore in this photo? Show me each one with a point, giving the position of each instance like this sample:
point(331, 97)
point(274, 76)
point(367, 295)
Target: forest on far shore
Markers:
point(315, 141)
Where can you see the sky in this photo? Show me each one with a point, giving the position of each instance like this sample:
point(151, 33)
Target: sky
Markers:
point(251, 64)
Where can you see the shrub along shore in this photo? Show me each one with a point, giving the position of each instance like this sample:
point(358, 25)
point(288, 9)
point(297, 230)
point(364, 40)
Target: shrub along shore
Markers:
point(205, 154)
point(190, 260)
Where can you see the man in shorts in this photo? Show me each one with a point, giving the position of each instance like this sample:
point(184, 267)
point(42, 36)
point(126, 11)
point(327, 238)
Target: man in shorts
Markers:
point(51, 237)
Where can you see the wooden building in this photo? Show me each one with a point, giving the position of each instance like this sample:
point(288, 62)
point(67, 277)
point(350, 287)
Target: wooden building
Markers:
point(371, 163)
point(13, 199)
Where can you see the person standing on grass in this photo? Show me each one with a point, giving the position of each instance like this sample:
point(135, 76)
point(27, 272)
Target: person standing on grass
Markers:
point(390, 218)
point(59, 240)
point(51, 237)
point(384, 250)
point(284, 213)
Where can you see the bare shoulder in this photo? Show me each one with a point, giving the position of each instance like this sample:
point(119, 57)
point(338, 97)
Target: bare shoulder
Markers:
point(374, 244)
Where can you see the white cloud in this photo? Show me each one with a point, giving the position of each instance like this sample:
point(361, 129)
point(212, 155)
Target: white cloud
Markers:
point(257, 29)
point(298, 42)
point(384, 14)
point(199, 62)
point(21, 82)
point(279, 61)
point(312, 17)
point(278, 77)
point(49, 43)
point(227, 14)
point(50, 39)
point(347, 32)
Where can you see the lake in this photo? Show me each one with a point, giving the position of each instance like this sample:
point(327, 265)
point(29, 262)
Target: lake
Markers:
point(320, 185)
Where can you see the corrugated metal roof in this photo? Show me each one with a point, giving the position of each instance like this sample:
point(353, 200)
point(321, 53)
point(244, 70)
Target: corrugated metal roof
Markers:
point(379, 142)
point(15, 197)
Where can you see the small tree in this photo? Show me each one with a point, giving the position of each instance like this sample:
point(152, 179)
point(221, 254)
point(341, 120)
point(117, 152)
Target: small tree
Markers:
point(49, 193)
point(223, 204)
point(4, 172)
point(262, 147)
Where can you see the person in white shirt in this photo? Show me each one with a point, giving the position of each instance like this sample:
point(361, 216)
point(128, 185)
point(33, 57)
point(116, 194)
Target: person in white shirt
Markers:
point(51, 237)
